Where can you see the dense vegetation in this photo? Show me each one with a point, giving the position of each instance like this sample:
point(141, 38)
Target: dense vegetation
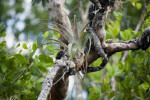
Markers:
point(21, 74)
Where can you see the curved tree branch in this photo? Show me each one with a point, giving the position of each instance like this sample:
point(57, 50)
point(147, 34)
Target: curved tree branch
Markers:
point(56, 82)
point(143, 42)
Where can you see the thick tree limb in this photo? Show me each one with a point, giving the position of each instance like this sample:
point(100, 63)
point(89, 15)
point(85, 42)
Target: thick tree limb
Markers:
point(97, 27)
point(47, 84)
point(56, 81)
point(143, 42)
point(96, 42)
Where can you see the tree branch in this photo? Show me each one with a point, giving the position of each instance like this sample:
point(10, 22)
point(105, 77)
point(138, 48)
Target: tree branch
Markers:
point(47, 84)
point(56, 82)
point(143, 42)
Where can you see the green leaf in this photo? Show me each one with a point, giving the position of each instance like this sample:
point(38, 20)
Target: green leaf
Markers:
point(36, 59)
point(51, 50)
point(138, 5)
point(46, 34)
point(112, 93)
point(127, 34)
point(138, 34)
point(117, 97)
point(115, 32)
point(3, 68)
point(144, 86)
point(27, 77)
point(2, 27)
point(40, 80)
point(24, 46)
point(18, 45)
point(34, 46)
point(2, 35)
point(35, 71)
point(20, 51)
point(119, 74)
point(133, 82)
point(26, 91)
point(94, 94)
point(29, 85)
point(2, 88)
point(31, 54)
point(2, 44)
point(124, 35)
point(110, 70)
point(45, 58)
point(72, 49)
point(97, 62)
point(118, 15)
point(22, 68)
point(43, 68)
point(21, 59)
point(148, 8)
point(14, 76)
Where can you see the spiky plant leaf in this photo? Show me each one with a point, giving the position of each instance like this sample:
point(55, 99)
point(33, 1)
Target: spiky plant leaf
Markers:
point(84, 29)
point(64, 29)
point(74, 50)
point(63, 44)
point(75, 29)
point(70, 22)
point(60, 32)
point(85, 40)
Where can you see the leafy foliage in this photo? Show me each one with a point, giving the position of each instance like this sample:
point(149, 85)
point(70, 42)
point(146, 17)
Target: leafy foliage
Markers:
point(21, 76)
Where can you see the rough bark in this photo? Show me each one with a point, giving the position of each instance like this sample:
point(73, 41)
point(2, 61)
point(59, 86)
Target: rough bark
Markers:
point(56, 82)
point(59, 15)
point(47, 84)
point(143, 42)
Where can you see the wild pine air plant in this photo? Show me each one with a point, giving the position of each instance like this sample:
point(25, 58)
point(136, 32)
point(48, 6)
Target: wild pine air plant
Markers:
point(77, 42)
